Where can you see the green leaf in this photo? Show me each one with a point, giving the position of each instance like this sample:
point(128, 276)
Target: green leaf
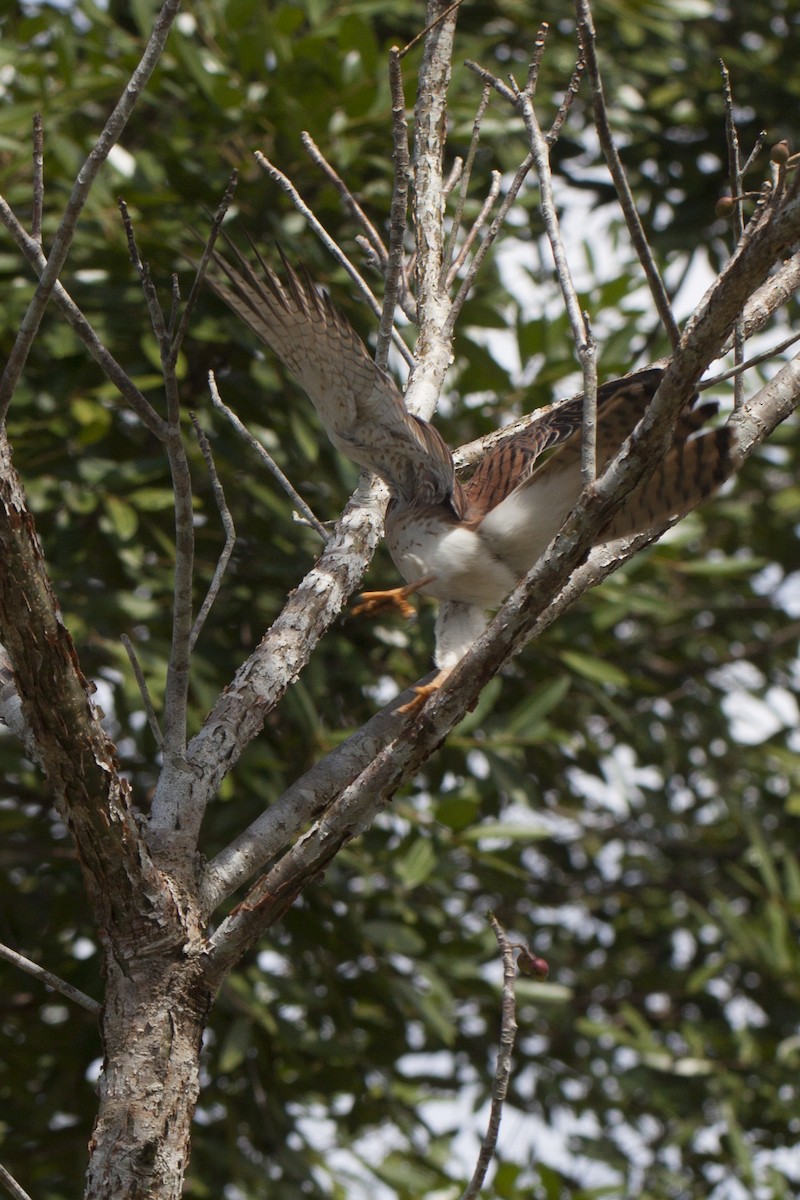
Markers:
point(417, 865)
point(594, 669)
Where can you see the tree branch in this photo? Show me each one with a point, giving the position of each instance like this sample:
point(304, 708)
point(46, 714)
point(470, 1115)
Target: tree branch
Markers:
point(52, 981)
point(80, 191)
point(13, 1188)
point(330, 245)
point(228, 529)
point(269, 462)
point(502, 1072)
point(69, 309)
point(588, 43)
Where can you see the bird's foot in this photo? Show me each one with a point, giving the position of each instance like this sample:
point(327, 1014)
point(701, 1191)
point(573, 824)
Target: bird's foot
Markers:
point(372, 603)
point(422, 694)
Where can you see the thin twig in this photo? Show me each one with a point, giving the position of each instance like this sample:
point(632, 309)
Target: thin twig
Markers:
point(432, 25)
point(205, 257)
point(52, 981)
point(109, 365)
point(14, 1189)
point(456, 172)
point(584, 344)
point(267, 459)
point(38, 178)
point(80, 191)
point(735, 176)
point(754, 153)
point(566, 103)
point(502, 1073)
point(351, 204)
point(492, 80)
point(537, 56)
point(174, 309)
point(487, 242)
point(299, 203)
point(177, 686)
point(228, 527)
point(586, 34)
point(450, 241)
point(397, 211)
point(141, 683)
point(747, 363)
point(477, 226)
point(155, 312)
point(589, 421)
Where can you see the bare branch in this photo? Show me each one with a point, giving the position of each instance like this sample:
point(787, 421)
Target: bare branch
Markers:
point(430, 111)
point(450, 242)
point(584, 342)
point(38, 178)
point(177, 685)
point(67, 306)
point(586, 34)
point(589, 423)
point(502, 1072)
point(492, 80)
point(754, 153)
point(372, 235)
point(80, 191)
point(397, 211)
point(566, 104)
point(267, 459)
point(72, 747)
point(338, 254)
point(746, 364)
point(487, 242)
point(52, 981)
point(13, 1188)
point(771, 296)
point(177, 337)
point(478, 224)
point(536, 58)
point(228, 527)
point(144, 692)
point(431, 26)
point(735, 176)
point(154, 309)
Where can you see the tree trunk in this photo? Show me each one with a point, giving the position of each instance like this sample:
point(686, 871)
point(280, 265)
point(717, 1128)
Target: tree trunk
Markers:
point(155, 1012)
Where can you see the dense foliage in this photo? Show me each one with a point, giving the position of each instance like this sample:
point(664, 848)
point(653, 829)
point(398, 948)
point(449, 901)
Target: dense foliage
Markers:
point(625, 798)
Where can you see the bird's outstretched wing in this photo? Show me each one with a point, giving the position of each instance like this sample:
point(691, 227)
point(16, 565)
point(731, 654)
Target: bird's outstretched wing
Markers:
point(511, 464)
point(360, 406)
point(525, 517)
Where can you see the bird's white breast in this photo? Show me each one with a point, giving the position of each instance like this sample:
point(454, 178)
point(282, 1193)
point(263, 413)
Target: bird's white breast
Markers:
point(454, 555)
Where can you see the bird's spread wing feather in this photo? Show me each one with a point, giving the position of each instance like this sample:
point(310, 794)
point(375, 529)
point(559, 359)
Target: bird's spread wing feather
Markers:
point(528, 515)
point(512, 464)
point(360, 405)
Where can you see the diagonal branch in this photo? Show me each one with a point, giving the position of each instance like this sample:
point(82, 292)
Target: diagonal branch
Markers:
point(51, 980)
point(587, 39)
point(80, 192)
point(319, 229)
point(228, 529)
point(269, 462)
point(397, 212)
point(69, 309)
point(502, 1073)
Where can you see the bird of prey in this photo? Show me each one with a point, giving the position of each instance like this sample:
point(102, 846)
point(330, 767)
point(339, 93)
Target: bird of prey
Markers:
point(466, 544)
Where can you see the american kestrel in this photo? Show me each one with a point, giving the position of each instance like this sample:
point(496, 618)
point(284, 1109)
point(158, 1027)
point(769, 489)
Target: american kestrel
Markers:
point(466, 544)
